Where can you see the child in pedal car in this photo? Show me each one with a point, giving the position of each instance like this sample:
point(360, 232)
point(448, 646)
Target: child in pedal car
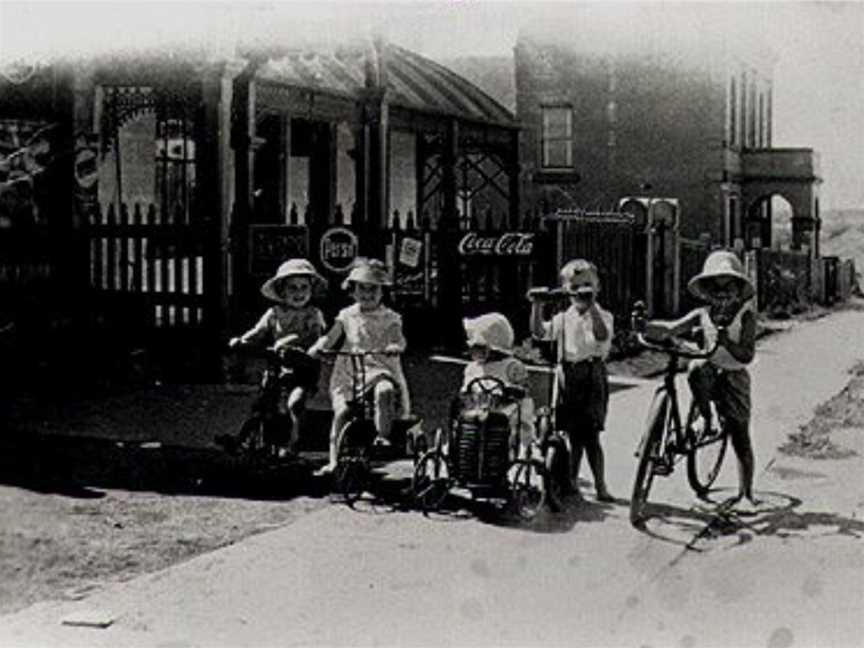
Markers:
point(490, 343)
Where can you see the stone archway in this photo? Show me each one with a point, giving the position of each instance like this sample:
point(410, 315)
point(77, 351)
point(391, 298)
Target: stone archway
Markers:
point(768, 222)
point(792, 174)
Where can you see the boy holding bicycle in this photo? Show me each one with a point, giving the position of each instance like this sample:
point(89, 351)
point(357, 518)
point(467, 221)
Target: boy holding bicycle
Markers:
point(584, 338)
point(366, 326)
point(728, 322)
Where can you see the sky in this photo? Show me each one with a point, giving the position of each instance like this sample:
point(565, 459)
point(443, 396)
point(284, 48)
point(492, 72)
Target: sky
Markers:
point(818, 78)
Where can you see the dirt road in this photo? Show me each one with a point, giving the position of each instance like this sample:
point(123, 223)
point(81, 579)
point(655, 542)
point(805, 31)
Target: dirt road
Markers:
point(791, 575)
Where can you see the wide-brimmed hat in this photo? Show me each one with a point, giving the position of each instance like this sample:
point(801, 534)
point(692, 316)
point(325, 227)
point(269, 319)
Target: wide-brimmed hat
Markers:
point(292, 268)
point(491, 330)
point(368, 271)
point(721, 263)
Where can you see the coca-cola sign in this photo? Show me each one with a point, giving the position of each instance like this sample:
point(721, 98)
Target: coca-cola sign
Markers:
point(504, 244)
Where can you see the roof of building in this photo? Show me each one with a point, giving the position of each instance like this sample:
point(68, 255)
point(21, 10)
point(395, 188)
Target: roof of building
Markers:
point(412, 81)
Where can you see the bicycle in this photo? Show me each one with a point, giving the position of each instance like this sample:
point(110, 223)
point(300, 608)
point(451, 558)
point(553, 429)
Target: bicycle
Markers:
point(261, 438)
point(356, 447)
point(664, 440)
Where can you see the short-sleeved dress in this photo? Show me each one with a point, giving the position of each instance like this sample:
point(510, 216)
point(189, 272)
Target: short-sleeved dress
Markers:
point(306, 323)
point(369, 331)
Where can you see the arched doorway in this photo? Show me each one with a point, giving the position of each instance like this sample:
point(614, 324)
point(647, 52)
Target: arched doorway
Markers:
point(769, 223)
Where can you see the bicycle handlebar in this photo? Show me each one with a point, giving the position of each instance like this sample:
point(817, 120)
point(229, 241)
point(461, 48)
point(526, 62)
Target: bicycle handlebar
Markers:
point(638, 323)
point(285, 354)
point(673, 348)
point(358, 354)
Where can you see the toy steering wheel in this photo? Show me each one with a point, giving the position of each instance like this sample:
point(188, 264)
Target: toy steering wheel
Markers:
point(486, 388)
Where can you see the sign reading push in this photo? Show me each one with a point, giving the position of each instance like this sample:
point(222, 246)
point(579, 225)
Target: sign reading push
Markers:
point(338, 248)
point(504, 244)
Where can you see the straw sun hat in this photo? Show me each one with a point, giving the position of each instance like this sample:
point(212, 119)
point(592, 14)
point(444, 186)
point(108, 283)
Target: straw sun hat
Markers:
point(721, 263)
point(292, 268)
point(491, 330)
point(368, 271)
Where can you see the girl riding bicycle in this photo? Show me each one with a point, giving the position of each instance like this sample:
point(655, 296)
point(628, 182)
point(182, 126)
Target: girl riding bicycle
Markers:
point(729, 320)
point(292, 320)
point(367, 325)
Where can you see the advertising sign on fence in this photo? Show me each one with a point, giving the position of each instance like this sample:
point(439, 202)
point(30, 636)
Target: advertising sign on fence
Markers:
point(338, 248)
point(497, 244)
point(270, 245)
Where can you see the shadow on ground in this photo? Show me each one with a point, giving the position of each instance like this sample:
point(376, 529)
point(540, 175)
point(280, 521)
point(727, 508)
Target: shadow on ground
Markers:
point(712, 525)
point(77, 466)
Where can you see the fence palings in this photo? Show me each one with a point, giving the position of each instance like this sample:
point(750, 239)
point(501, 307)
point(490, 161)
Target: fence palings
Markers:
point(154, 263)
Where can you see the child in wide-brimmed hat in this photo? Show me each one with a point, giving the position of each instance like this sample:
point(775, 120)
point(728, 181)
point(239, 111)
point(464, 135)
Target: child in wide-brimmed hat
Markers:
point(490, 344)
point(290, 320)
point(583, 334)
point(367, 325)
point(729, 322)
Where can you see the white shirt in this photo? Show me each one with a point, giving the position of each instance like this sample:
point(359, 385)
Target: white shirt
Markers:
point(578, 334)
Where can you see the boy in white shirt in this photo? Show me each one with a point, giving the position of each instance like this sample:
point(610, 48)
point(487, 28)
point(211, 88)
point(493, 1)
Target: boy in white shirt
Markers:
point(584, 338)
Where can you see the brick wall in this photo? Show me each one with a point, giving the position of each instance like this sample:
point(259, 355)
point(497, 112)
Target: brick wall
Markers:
point(668, 125)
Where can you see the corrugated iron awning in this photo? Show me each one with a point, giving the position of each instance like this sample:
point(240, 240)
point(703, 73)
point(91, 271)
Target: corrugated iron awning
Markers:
point(412, 81)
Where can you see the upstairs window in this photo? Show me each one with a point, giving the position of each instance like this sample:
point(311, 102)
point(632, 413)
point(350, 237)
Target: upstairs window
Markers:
point(557, 137)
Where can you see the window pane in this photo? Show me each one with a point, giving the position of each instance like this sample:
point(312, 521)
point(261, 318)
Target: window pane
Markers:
point(557, 154)
point(556, 123)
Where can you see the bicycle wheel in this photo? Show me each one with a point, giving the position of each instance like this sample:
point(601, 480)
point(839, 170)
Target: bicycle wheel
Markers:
point(253, 434)
point(430, 483)
point(527, 487)
point(649, 449)
point(557, 475)
point(706, 454)
point(352, 468)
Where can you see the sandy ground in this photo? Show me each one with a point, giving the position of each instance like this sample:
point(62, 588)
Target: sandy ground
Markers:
point(106, 503)
point(788, 575)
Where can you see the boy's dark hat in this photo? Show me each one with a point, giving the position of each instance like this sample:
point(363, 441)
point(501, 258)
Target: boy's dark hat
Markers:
point(721, 263)
point(292, 268)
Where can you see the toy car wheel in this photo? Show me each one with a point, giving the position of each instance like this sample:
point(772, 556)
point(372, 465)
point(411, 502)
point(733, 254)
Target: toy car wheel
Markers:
point(557, 475)
point(431, 481)
point(527, 485)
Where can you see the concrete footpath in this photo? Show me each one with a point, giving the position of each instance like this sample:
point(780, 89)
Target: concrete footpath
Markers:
point(790, 575)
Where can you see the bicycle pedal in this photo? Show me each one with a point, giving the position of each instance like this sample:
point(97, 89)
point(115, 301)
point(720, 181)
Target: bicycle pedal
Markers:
point(662, 469)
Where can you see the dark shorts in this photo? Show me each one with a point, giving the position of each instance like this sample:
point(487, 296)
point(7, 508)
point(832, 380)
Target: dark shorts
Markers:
point(583, 397)
point(730, 391)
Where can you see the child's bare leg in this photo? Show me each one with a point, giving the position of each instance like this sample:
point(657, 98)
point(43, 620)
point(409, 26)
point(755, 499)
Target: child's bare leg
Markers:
point(746, 461)
point(700, 380)
point(385, 406)
point(340, 418)
point(297, 410)
point(594, 452)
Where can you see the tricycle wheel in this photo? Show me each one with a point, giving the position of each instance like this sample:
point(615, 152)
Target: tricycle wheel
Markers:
point(350, 478)
point(431, 481)
point(527, 484)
